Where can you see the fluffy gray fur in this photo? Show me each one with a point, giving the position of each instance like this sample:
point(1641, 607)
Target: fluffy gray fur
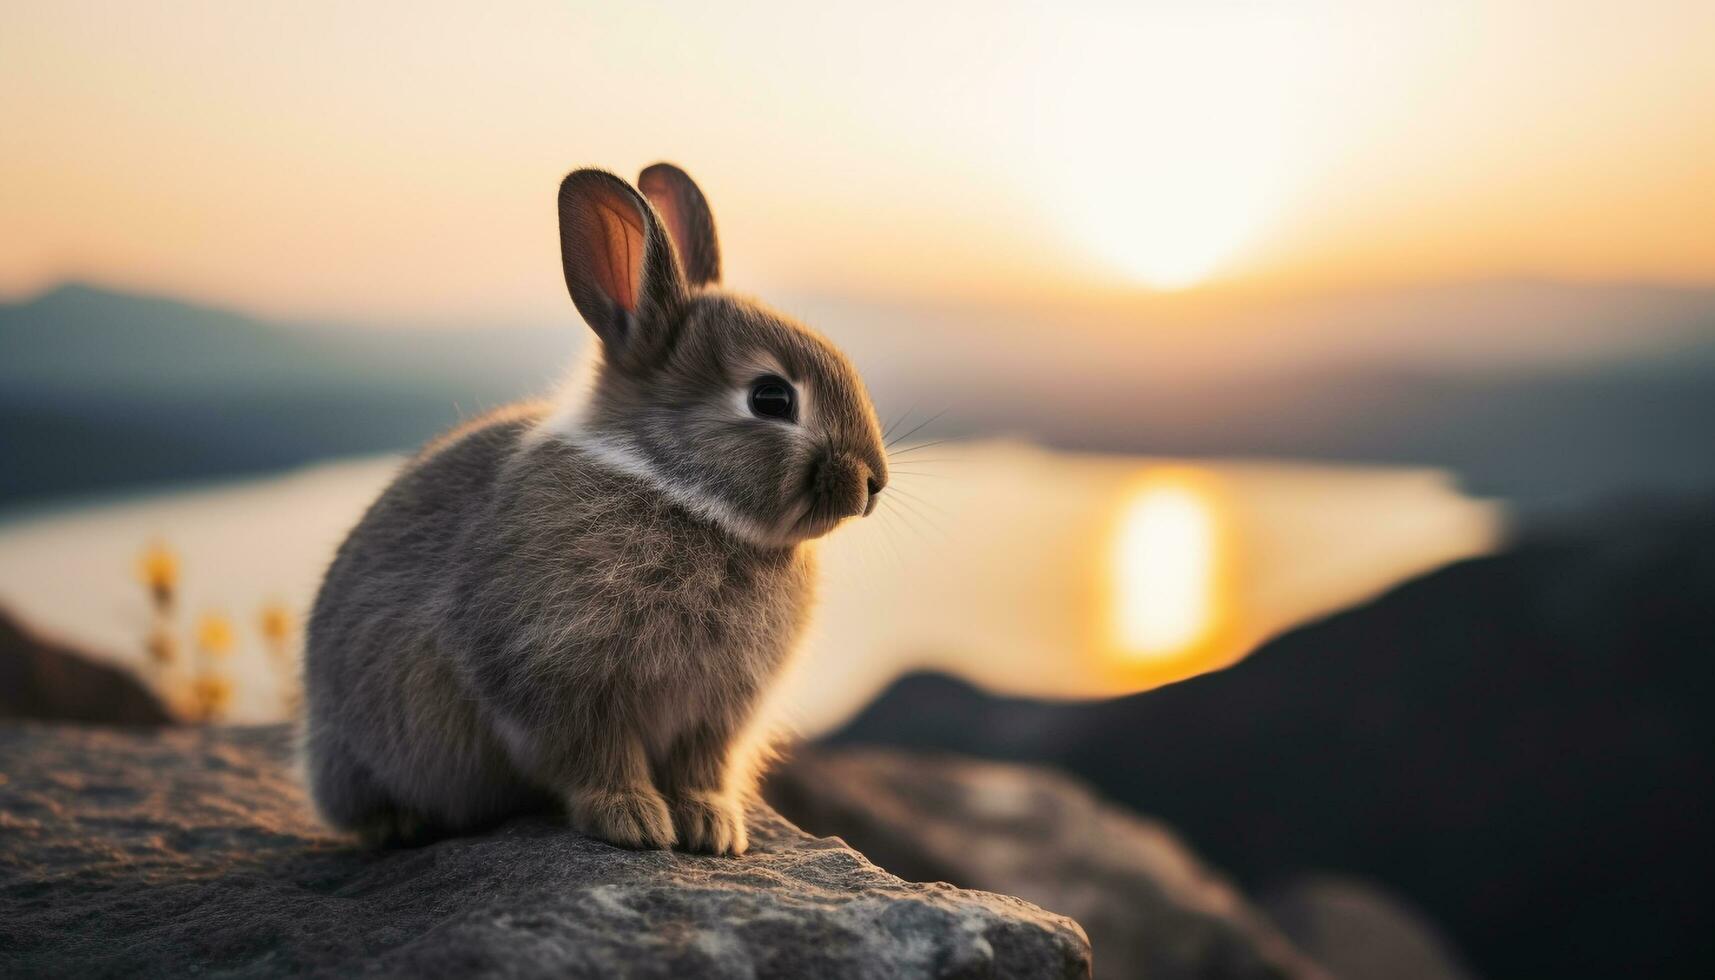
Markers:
point(581, 604)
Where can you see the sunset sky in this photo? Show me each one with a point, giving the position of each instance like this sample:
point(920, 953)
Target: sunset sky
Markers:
point(399, 161)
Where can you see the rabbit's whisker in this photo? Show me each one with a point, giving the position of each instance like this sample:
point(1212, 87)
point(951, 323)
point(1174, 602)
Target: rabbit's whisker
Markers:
point(917, 512)
point(910, 520)
point(895, 423)
point(895, 454)
point(931, 505)
point(916, 428)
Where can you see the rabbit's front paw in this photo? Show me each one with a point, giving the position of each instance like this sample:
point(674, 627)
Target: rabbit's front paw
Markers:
point(629, 818)
point(709, 823)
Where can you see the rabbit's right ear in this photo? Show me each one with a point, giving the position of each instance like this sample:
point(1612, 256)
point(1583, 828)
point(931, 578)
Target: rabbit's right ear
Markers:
point(680, 203)
point(620, 267)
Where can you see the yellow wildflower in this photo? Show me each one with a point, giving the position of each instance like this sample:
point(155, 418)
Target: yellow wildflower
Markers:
point(276, 623)
point(212, 693)
point(215, 635)
point(158, 568)
point(163, 649)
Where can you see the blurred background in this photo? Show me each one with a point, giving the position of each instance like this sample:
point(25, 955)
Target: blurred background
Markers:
point(1306, 414)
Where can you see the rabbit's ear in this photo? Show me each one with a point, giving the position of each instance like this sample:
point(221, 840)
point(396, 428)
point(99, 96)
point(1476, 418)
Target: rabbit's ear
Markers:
point(620, 267)
point(686, 212)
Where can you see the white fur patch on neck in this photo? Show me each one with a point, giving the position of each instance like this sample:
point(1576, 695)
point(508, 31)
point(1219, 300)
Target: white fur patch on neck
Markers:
point(616, 454)
point(568, 423)
point(565, 424)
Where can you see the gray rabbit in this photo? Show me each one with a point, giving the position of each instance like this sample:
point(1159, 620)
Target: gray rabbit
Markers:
point(579, 604)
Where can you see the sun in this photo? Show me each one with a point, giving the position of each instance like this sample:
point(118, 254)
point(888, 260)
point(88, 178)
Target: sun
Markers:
point(1171, 230)
point(1167, 140)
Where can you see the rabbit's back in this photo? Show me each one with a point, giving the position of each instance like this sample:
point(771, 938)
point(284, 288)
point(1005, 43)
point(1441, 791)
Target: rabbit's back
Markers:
point(388, 722)
point(398, 558)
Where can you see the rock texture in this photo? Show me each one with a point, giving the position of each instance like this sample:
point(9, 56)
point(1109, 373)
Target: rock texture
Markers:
point(1359, 932)
point(46, 680)
point(1519, 744)
point(1151, 908)
point(191, 851)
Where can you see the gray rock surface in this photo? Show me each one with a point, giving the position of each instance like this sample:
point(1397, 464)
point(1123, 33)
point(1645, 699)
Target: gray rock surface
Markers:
point(1361, 932)
point(191, 851)
point(1151, 908)
point(45, 680)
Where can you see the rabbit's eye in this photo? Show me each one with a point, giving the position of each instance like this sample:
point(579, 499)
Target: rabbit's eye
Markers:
point(773, 398)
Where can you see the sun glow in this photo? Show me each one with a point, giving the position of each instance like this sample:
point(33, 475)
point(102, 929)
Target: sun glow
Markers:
point(1171, 136)
point(1167, 569)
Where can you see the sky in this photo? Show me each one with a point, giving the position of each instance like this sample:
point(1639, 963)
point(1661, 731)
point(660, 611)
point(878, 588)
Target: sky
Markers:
point(392, 162)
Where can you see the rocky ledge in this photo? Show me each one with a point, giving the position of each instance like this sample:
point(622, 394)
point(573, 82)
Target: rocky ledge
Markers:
point(187, 851)
point(1152, 907)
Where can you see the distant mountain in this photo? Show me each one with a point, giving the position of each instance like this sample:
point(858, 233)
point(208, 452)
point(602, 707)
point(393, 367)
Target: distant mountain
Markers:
point(102, 390)
point(85, 339)
point(1546, 441)
point(78, 339)
point(1547, 394)
point(1522, 744)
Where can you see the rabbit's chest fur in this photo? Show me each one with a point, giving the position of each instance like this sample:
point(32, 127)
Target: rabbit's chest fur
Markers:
point(588, 580)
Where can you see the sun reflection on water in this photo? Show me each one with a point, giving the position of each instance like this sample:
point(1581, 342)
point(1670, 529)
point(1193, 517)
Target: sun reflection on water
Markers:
point(1168, 567)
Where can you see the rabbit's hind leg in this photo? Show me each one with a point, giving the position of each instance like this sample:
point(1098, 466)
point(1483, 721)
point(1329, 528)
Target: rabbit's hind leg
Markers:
point(396, 826)
point(349, 798)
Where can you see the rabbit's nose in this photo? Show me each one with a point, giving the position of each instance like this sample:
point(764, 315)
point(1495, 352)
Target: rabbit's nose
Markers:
point(874, 496)
point(839, 481)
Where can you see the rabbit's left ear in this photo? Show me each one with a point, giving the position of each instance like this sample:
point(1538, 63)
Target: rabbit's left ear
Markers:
point(690, 223)
point(620, 267)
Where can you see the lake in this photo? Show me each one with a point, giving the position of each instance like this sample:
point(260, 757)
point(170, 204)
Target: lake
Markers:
point(1023, 570)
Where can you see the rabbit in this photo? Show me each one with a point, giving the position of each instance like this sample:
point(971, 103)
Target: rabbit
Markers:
point(578, 605)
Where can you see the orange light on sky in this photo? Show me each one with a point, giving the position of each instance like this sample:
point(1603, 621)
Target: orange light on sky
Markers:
point(394, 161)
